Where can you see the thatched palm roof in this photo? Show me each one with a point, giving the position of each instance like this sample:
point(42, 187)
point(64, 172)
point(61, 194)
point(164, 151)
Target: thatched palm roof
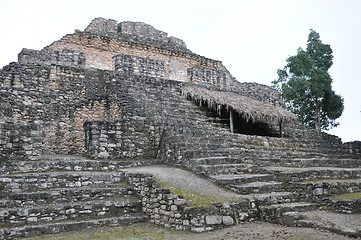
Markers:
point(249, 109)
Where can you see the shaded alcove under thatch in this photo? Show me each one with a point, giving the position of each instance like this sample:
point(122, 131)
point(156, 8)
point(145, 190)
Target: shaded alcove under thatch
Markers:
point(241, 114)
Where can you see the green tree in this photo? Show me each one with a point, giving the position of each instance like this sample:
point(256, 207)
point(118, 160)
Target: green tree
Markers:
point(306, 85)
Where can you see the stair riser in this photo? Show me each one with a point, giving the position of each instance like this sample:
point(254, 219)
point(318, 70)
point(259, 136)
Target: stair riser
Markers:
point(31, 231)
point(245, 180)
point(59, 166)
point(230, 169)
point(278, 199)
point(349, 163)
point(67, 211)
point(274, 214)
point(352, 206)
point(214, 161)
point(45, 181)
point(261, 189)
point(201, 154)
point(318, 174)
point(316, 192)
point(64, 196)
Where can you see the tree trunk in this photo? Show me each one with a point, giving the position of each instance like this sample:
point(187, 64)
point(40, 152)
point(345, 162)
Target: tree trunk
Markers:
point(318, 118)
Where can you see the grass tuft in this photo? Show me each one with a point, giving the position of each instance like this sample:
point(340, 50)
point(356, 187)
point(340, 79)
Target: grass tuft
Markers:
point(346, 196)
point(194, 199)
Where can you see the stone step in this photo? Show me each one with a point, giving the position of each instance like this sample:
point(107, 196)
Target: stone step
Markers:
point(313, 173)
point(224, 169)
point(66, 195)
point(241, 151)
point(258, 187)
point(270, 198)
point(274, 162)
point(305, 162)
point(55, 212)
point(345, 224)
point(205, 145)
point(227, 179)
point(274, 212)
point(228, 152)
point(68, 163)
point(31, 230)
point(37, 181)
point(349, 203)
point(215, 161)
point(320, 188)
point(254, 142)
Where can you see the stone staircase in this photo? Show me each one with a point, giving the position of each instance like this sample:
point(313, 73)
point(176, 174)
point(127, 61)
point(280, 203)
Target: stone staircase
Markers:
point(280, 175)
point(65, 193)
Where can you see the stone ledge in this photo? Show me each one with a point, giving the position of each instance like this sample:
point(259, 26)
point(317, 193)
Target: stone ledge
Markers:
point(172, 211)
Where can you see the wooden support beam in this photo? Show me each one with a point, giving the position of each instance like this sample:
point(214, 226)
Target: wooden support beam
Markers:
point(231, 124)
point(281, 129)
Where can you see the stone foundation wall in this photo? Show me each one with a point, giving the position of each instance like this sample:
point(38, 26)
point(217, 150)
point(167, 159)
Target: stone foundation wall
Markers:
point(260, 93)
point(134, 137)
point(209, 76)
point(133, 65)
point(45, 89)
point(353, 148)
point(103, 39)
point(48, 57)
point(136, 32)
point(20, 141)
point(100, 49)
point(64, 132)
point(171, 210)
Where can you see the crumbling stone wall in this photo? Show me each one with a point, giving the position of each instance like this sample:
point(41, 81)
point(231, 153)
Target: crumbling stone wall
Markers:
point(136, 32)
point(133, 65)
point(53, 89)
point(47, 57)
point(103, 39)
point(260, 92)
point(134, 137)
point(353, 148)
point(172, 211)
point(206, 75)
point(20, 141)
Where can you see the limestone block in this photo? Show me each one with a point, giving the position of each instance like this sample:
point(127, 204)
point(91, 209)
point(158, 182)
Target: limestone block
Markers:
point(180, 201)
point(4, 213)
point(227, 220)
point(212, 220)
point(243, 216)
point(32, 219)
point(104, 154)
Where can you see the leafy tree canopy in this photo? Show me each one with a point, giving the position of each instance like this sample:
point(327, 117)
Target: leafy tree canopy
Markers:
point(306, 85)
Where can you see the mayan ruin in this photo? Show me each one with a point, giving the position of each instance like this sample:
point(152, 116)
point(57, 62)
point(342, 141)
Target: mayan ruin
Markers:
point(84, 121)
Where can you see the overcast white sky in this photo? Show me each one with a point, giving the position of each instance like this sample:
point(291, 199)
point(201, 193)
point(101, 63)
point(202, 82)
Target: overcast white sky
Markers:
point(252, 38)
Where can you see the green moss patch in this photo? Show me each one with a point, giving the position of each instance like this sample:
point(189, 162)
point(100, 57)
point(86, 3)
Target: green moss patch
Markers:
point(194, 199)
point(136, 231)
point(332, 180)
point(346, 196)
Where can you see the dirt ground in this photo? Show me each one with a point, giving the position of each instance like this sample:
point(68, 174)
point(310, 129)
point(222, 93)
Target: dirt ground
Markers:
point(247, 231)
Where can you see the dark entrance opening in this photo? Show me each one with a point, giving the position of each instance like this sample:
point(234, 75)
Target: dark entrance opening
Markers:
point(240, 125)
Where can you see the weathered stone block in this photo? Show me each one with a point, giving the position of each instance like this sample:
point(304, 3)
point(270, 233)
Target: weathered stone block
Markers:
point(212, 220)
point(227, 220)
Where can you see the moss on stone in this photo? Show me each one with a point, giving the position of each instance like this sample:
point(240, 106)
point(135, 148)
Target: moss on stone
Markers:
point(136, 231)
point(194, 199)
point(330, 180)
point(346, 196)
